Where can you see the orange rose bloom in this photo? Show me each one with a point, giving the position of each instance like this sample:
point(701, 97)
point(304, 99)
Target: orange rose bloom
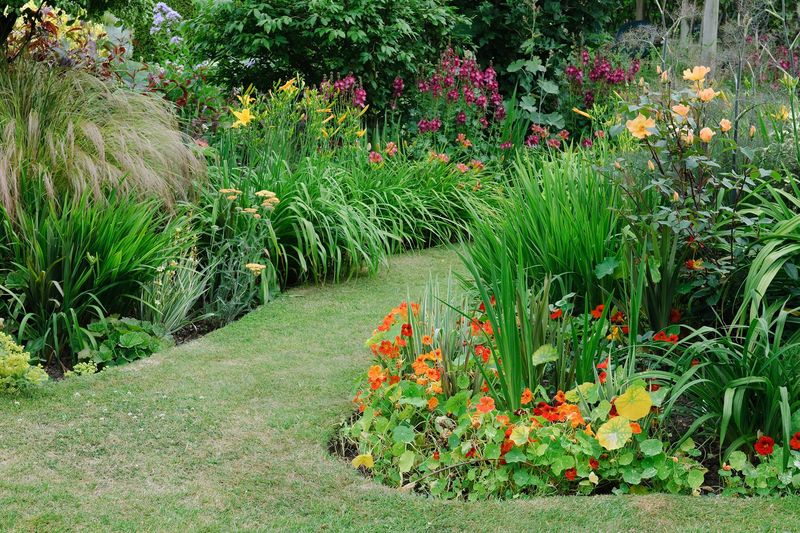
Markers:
point(706, 134)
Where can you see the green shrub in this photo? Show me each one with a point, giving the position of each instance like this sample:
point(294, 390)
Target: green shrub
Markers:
point(263, 41)
point(123, 340)
point(16, 372)
point(76, 134)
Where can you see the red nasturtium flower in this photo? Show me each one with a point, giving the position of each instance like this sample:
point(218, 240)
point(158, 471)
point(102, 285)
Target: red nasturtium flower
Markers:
point(571, 474)
point(635, 428)
point(483, 352)
point(555, 315)
point(618, 317)
point(602, 376)
point(604, 364)
point(486, 404)
point(593, 463)
point(674, 315)
point(764, 445)
point(405, 331)
point(795, 442)
point(436, 455)
point(597, 312)
point(527, 397)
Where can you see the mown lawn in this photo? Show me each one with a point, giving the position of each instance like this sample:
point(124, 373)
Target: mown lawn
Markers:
point(229, 433)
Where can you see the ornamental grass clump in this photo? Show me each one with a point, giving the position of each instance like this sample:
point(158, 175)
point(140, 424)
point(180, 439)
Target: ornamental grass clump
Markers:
point(79, 134)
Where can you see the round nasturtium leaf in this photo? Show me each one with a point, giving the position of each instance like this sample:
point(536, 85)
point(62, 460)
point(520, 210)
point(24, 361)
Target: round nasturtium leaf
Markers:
point(519, 435)
point(364, 460)
point(634, 403)
point(615, 433)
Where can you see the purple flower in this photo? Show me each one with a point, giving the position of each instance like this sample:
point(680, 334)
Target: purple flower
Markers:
point(359, 97)
point(398, 86)
point(461, 117)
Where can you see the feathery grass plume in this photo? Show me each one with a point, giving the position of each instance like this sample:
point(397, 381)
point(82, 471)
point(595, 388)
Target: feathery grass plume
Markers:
point(80, 134)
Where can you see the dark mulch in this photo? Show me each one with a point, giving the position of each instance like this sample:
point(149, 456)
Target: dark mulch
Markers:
point(195, 330)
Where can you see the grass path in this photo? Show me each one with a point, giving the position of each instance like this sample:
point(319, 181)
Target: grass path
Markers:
point(228, 433)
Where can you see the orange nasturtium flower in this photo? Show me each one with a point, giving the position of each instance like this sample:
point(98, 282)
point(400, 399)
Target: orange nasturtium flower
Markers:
point(641, 126)
point(427, 340)
point(486, 404)
point(527, 396)
point(432, 403)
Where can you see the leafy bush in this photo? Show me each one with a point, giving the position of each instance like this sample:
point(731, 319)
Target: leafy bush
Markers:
point(123, 340)
point(78, 134)
point(16, 372)
point(377, 40)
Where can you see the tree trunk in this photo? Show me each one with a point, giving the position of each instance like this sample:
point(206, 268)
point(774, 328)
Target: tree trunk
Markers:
point(639, 9)
point(708, 35)
point(686, 23)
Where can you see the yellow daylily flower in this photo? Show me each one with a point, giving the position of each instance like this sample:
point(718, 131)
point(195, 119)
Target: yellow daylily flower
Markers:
point(582, 113)
point(243, 117)
point(342, 118)
point(361, 133)
point(288, 87)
